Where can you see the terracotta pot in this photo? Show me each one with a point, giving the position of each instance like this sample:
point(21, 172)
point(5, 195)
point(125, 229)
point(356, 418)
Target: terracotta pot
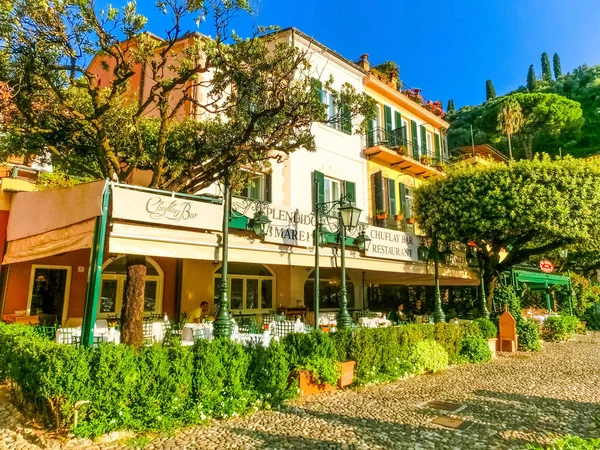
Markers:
point(382, 216)
point(492, 343)
point(398, 216)
point(347, 373)
point(308, 385)
point(410, 220)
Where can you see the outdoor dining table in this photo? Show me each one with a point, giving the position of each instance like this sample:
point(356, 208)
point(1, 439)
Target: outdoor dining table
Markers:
point(65, 335)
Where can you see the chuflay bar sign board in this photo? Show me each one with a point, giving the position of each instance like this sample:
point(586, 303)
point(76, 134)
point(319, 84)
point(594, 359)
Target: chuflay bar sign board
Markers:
point(289, 227)
point(391, 244)
point(153, 208)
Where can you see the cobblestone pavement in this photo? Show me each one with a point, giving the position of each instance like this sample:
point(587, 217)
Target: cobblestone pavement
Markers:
point(512, 401)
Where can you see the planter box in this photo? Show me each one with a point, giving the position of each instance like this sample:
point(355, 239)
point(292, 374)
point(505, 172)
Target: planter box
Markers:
point(308, 385)
point(410, 220)
point(492, 343)
point(347, 375)
point(382, 216)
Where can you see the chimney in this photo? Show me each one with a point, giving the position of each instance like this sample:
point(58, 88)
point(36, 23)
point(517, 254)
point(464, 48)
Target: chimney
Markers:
point(364, 62)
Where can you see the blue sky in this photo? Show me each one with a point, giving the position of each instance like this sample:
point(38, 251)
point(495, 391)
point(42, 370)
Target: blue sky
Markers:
point(448, 48)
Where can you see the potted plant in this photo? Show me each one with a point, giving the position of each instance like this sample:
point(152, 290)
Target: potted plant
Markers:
point(381, 214)
point(401, 150)
point(398, 216)
point(489, 332)
point(410, 220)
point(426, 160)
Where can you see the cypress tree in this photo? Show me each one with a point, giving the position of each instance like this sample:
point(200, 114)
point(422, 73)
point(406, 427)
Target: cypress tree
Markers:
point(490, 91)
point(450, 108)
point(546, 73)
point(531, 79)
point(557, 68)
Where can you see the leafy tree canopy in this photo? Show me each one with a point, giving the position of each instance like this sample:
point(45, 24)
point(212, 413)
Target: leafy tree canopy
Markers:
point(525, 208)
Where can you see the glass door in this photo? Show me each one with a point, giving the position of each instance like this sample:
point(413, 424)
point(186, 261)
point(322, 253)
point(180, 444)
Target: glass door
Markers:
point(48, 293)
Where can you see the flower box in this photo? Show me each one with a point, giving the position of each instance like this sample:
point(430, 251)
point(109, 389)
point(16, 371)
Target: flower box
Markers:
point(398, 216)
point(382, 216)
point(308, 385)
point(410, 220)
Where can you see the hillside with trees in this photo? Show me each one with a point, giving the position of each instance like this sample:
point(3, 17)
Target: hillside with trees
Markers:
point(556, 114)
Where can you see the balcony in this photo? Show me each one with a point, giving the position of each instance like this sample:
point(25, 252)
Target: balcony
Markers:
point(395, 149)
point(391, 223)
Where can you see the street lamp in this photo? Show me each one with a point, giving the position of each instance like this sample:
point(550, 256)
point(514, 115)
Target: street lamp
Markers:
point(475, 259)
point(426, 253)
point(348, 216)
point(363, 241)
point(222, 324)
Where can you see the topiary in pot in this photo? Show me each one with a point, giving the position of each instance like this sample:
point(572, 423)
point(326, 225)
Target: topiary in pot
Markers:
point(475, 349)
point(487, 328)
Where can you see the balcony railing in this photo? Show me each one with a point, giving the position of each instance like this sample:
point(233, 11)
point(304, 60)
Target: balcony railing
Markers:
point(391, 223)
point(397, 140)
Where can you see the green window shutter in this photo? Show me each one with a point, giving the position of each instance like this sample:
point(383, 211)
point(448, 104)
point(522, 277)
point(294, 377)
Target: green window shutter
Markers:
point(370, 134)
point(379, 192)
point(268, 189)
point(397, 119)
point(317, 89)
point(387, 117)
point(424, 148)
point(318, 196)
point(404, 203)
point(415, 139)
point(392, 197)
point(350, 189)
point(346, 119)
point(438, 153)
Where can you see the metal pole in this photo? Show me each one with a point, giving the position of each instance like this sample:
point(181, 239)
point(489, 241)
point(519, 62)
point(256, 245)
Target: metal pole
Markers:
point(548, 297)
point(438, 315)
point(317, 239)
point(92, 293)
point(484, 311)
point(222, 325)
point(344, 320)
point(570, 294)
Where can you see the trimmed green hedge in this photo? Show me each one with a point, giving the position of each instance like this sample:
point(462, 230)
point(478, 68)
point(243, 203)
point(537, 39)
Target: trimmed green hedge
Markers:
point(160, 388)
point(557, 328)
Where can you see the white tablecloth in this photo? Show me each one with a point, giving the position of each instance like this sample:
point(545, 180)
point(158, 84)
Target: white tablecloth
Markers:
point(373, 323)
point(65, 335)
point(187, 333)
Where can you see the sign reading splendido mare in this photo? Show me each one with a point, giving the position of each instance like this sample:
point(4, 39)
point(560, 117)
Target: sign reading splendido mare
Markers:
point(392, 244)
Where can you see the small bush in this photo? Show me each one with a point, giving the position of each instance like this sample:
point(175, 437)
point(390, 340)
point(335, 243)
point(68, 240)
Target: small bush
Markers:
point(570, 443)
point(557, 328)
point(314, 351)
point(426, 356)
point(475, 350)
point(487, 328)
point(592, 318)
point(529, 336)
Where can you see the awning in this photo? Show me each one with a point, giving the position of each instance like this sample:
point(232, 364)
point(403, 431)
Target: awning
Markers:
point(46, 223)
point(539, 280)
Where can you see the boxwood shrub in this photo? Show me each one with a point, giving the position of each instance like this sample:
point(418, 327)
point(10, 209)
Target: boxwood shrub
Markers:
point(475, 349)
point(160, 388)
point(557, 328)
point(487, 328)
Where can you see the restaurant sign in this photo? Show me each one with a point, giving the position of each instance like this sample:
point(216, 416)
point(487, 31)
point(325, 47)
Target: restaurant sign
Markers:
point(391, 244)
point(150, 207)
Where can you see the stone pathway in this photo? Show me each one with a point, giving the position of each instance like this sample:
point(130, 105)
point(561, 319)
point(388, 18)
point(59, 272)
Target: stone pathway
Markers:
point(512, 401)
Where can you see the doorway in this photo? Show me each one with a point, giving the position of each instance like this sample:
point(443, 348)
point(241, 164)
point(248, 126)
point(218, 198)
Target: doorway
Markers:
point(49, 292)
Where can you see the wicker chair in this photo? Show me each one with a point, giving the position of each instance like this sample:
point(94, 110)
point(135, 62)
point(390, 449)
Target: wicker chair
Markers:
point(284, 328)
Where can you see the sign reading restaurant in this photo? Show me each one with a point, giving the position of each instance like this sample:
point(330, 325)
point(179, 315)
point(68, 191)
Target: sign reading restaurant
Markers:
point(392, 244)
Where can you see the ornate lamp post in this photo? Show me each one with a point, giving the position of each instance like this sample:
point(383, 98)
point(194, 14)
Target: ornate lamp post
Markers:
point(222, 325)
point(348, 216)
point(431, 253)
point(475, 259)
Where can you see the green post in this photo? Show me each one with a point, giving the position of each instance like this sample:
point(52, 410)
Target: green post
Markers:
point(570, 295)
point(222, 325)
point(438, 315)
point(548, 298)
point(344, 320)
point(317, 242)
point(484, 311)
point(95, 273)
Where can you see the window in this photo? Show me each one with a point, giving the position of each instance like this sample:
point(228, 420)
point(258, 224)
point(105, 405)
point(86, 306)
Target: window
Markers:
point(250, 287)
point(255, 186)
point(49, 292)
point(331, 190)
point(405, 129)
point(329, 288)
point(406, 199)
point(337, 114)
point(112, 287)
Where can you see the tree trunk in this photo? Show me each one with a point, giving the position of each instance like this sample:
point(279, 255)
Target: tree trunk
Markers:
point(132, 313)
point(528, 147)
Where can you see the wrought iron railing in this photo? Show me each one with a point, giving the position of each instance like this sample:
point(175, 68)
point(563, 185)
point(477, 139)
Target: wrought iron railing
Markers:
point(398, 141)
point(391, 223)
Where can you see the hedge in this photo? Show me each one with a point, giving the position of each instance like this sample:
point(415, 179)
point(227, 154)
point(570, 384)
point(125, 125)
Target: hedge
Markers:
point(557, 328)
point(160, 388)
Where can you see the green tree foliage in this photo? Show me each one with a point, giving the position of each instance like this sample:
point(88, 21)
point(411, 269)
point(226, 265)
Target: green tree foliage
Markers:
point(545, 116)
point(546, 72)
point(556, 66)
point(510, 120)
point(450, 108)
point(531, 79)
point(526, 208)
point(490, 91)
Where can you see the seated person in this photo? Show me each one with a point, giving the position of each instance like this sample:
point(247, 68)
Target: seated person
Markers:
point(418, 310)
point(398, 315)
point(204, 314)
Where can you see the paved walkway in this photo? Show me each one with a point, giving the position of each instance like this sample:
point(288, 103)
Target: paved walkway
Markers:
point(512, 401)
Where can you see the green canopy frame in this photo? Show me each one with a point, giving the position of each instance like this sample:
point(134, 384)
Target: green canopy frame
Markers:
point(541, 281)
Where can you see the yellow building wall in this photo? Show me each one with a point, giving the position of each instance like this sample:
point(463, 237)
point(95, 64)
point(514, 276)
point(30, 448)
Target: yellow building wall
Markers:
point(374, 166)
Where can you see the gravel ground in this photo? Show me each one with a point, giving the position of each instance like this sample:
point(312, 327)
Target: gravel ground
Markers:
point(512, 401)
